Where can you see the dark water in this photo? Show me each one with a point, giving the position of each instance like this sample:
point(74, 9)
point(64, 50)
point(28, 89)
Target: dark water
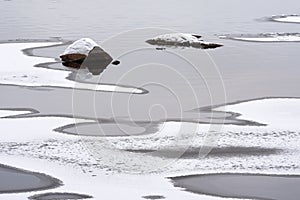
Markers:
point(246, 186)
point(59, 196)
point(16, 180)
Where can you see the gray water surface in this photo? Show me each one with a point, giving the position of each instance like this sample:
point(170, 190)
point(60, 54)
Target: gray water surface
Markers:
point(59, 196)
point(102, 19)
point(244, 186)
point(15, 180)
point(237, 71)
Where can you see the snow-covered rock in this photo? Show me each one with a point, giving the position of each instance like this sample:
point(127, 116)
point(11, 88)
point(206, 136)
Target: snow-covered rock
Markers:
point(77, 52)
point(182, 39)
point(81, 46)
point(95, 58)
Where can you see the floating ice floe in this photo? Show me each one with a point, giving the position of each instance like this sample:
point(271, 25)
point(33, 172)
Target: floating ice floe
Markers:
point(265, 37)
point(19, 69)
point(183, 40)
point(286, 18)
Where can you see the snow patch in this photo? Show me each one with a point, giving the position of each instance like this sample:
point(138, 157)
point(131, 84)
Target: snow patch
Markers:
point(287, 18)
point(178, 38)
point(81, 46)
point(277, 113)
point(265, 37)
point(7, 113)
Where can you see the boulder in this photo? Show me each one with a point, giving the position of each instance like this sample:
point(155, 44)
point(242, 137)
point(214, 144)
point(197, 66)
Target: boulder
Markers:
point(75, 54)
point(85, 53)
point(182, 40)
point(206, 45)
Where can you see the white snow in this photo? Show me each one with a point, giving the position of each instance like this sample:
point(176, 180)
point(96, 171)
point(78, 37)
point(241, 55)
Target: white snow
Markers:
point(282, 131)
point(278, 113)
point(6, 113)
point(288, 18)
point(265, 37)
point(27, 129)
point(18, 69)
point(81, 46)
point(113, 187)
point(178, 38)
point(284, 38)
point(281, 114)
point(34, 132)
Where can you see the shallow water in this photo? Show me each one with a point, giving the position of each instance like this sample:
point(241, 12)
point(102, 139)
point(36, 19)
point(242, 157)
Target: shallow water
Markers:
point(245, 186)
point(59, 196)
point(16, 180)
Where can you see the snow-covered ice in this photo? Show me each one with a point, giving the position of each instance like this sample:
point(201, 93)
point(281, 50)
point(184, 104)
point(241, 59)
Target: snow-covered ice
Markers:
point(19, 69)
point(278, 114)
point(266, 37)
point(287, 18)
point(6, 113)
point(31, 143)
point(75, 166)
point(271, 39)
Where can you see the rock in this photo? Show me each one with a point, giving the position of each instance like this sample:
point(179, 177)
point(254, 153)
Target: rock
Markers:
point(160, 48)
point(73, 58)
point(206, 45)
point(182, 40)
point(74, 64)
point(75, 54)
point(85, 53)
point(116, 62)
point(197, 36)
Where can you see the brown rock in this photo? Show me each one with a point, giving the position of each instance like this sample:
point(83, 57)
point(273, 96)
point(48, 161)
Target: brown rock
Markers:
point(73, 57)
